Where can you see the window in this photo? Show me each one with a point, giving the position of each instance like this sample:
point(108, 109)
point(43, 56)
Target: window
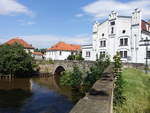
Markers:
point(112, 23)
point(102, 53)
point(124, 31)
point(103, 43)
point(103, 34)
point(112, 30)
point(123, 54)
point(121, 42)
point(60, 53)
point(88, 54)
point(71, 53)
point(124, 42)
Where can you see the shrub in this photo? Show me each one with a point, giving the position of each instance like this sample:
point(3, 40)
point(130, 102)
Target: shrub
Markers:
point(96, 71)
point(119, 83)
point(75, 57)
point(71, 78)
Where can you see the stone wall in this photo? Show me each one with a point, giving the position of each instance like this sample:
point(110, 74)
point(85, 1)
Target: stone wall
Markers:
point(100, 98)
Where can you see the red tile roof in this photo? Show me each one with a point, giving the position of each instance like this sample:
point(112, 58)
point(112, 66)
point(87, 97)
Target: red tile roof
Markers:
point(21, 42)
point(37, 53)
point(64, 47)
point(145, 26)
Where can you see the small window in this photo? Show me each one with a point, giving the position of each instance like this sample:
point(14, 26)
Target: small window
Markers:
point(112, 23)
point(103, 34)
point(123, 54)
point(121, 42)
point(103, 43)
point(112, 30)
point(124, 31)
point(71, 53)
point(125, 41)
point(88, 53)
point(60, 53)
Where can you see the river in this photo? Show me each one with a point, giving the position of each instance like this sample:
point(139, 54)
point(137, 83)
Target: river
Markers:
point(34, 95)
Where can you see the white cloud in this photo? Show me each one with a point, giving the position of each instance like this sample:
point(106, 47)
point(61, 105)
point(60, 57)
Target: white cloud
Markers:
point(79, 15)
point(11, 7)
point(100, 9)
point(25, 22)
point(46, 41)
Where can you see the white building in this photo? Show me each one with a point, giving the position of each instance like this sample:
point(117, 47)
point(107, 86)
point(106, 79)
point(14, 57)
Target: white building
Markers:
point(38, 55)
point(119, 34)
point(61, 51)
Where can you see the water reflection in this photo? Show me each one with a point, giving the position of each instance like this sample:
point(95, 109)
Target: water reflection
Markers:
point(36, 95)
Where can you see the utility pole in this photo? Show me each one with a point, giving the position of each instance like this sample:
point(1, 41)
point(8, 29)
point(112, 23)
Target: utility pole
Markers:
point(146, 43)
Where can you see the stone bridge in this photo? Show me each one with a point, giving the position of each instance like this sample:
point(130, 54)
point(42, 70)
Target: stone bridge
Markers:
point(58, 66)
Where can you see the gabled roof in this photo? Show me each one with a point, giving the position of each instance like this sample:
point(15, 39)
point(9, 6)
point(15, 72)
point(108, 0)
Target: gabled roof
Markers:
point(145, 26)
point(62, 46)
point(37, 53)
point(21, 42)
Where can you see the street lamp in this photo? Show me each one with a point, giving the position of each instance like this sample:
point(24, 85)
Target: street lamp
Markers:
point(146, 43)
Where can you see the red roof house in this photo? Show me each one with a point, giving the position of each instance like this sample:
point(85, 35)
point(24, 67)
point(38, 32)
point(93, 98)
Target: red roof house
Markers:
point(62, 46)
point(21, 42)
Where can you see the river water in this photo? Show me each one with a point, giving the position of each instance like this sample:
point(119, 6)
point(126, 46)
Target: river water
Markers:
point(34, 95)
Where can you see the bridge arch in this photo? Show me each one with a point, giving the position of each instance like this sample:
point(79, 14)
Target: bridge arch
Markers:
point(58, 70)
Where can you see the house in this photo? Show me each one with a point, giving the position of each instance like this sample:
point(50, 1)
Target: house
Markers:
point(123, 34)
point(38, 55)
point(27, 47)
point(61, 51)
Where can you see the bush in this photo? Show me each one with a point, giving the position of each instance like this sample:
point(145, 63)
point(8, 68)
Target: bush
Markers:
point(96, 71)
point(75, 57)
point(72, 79)
point(119, 83)
point(15, 61)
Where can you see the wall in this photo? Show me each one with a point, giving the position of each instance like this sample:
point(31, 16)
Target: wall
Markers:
point(55, 55)
point(100, 98)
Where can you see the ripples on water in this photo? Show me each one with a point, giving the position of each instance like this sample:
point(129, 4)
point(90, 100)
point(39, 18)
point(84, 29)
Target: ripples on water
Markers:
point(38, 95)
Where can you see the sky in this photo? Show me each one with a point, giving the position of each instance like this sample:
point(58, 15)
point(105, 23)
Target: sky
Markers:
point(43, 23)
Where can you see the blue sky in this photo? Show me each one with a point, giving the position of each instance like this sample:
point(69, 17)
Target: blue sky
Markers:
point(45, 22)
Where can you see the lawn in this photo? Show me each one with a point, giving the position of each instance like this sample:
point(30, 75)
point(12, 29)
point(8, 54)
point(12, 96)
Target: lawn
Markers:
point(136, 91)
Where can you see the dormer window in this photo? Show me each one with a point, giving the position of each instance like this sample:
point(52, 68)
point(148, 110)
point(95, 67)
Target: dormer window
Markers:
point(112, 23)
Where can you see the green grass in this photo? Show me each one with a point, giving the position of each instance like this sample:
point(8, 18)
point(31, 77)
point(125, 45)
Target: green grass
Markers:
point(136, 91)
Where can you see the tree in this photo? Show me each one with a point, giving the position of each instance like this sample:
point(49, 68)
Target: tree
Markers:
point(15, 61)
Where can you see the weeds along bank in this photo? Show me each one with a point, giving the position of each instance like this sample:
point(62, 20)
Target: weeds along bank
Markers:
point(136, 92)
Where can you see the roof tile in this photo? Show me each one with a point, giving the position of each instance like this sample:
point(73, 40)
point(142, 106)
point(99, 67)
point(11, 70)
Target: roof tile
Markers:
point(21, 42)
point(64, 47)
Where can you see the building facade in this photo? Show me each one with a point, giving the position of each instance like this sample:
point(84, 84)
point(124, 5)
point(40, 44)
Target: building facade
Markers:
point(38, 55)
point(123, 34)
point(61, 51)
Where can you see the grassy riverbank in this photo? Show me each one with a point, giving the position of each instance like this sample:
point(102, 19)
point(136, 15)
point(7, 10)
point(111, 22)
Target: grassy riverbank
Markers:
point(136, 91)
